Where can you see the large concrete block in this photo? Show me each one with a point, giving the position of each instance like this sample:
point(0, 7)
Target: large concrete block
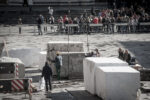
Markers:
point(29, 56)
point(62, 46)
point(72, 64)
point(117, 83)
point(89, 66)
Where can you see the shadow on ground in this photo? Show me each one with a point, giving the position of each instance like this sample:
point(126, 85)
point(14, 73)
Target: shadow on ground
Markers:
point(74, 95)
point(140, 50)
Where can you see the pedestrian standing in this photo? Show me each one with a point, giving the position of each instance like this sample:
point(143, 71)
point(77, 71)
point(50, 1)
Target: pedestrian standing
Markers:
point(47, 74)
point(127, 56)
point(40, 20)
point(20, 23)
point(58, 64)
point(97, 53)
point(120, 52)
point(50, 11)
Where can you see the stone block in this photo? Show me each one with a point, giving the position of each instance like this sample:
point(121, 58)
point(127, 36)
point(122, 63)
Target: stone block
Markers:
point(89, 66)
point(117, 83)
point(62, 46)
point(72, 64)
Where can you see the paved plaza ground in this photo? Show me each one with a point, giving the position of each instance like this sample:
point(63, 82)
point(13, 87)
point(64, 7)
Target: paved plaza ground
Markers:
point(138, 45)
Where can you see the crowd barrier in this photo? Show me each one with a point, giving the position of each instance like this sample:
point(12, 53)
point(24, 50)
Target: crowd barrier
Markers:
point(16, 85)
point(79, 28)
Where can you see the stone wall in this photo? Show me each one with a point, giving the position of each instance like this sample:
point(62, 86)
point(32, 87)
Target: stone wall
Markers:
point(72, 64)
point(61, 46)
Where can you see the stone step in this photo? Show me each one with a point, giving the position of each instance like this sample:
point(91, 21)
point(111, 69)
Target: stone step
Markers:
point(35, 76)
point(32, 70)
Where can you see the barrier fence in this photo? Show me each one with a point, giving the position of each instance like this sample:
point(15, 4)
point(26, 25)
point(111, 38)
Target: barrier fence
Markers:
point(16, 85)
point(77, 28)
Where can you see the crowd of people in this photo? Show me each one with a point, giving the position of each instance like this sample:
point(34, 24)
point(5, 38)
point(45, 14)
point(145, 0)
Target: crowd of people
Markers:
point(132, 16)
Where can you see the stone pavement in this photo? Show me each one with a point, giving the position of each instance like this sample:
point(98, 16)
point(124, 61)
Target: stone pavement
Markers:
point(65, 90)
point(62, 90)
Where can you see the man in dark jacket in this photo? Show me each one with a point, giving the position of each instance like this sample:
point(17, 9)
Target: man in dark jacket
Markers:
point(47, 74)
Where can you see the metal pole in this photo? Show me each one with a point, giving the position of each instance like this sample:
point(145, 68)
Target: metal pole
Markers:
point(68, 48)
point(9, 30)
point(87, 30)
point(87, 42)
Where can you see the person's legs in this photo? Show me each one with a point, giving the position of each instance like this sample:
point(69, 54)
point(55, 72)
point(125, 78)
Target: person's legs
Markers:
point(50, 85)
point(19, 30)
point(40, 28)
point(58, 73)
point(46, 84)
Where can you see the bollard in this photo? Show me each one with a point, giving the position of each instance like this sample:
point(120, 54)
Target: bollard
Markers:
point(30, 89)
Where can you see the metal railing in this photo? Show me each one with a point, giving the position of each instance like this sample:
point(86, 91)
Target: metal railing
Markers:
point(76, 28)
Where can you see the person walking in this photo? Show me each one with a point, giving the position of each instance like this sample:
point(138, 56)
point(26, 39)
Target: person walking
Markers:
point(47, 74)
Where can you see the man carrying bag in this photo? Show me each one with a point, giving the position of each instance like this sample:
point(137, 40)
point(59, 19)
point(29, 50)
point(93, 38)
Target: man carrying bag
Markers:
point(47, 74)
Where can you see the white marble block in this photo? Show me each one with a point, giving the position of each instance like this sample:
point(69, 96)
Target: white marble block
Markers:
point(89, 66)
point(72, 64)
point(62, 46)
point(117, 83)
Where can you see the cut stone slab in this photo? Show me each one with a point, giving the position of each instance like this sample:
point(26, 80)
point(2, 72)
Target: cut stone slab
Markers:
point(72, 64)
point(29, 56)
point(62, 46)
point(117, 83)
point(89, 67)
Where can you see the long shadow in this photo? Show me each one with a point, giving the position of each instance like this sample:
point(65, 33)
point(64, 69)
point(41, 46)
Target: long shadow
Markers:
point(83, 95)
point(140, 50)
point(62, 96)
point(74, 95)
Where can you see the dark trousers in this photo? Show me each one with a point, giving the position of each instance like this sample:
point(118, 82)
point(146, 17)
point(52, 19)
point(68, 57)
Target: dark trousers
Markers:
point(19, 30)
point(58, 73)
point(48, 83)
